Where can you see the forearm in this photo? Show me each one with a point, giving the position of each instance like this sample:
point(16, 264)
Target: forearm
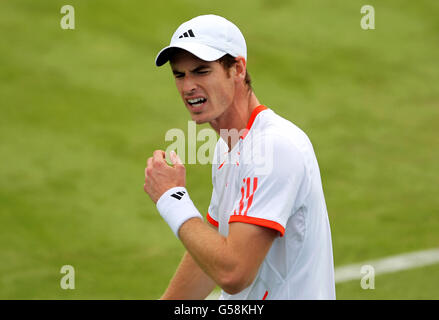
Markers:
point(228, 261)
point(190, 282)
point(211, 251)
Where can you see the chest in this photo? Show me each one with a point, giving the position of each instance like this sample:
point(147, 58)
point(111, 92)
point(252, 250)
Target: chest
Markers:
point(227, 183)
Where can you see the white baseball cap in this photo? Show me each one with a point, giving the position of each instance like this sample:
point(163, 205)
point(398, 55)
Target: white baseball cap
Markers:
point(209, 37)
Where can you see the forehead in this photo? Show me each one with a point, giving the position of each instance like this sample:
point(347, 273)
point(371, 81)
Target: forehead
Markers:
point(182, 59)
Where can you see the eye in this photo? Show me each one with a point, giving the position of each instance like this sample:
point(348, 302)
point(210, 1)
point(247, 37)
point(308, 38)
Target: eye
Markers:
point(178, 75)
point(203, 71)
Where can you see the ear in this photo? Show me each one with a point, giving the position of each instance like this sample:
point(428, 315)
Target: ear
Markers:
point(240, 67)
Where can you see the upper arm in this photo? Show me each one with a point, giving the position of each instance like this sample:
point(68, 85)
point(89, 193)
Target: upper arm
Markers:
point(250, 243)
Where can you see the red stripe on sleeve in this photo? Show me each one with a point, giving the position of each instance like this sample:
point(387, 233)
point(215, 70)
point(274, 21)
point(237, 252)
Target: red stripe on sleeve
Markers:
point(211, 220)
point(241, 202)
point(250, 199)
point(259, 222)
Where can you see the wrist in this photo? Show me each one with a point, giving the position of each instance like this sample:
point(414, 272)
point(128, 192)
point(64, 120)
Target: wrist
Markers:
point(176, 207)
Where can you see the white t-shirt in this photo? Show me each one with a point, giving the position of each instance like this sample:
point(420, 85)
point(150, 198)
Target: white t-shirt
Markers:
point(271, 178)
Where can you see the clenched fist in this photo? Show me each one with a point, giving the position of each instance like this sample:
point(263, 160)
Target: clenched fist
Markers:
point(160, 177)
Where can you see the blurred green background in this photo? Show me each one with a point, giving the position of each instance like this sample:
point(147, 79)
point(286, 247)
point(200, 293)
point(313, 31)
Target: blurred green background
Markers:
point(81, 111)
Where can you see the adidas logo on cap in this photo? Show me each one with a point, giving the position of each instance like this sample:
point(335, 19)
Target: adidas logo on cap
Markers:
point(187, 34)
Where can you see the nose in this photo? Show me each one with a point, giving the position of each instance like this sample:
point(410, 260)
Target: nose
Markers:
point(189, 85)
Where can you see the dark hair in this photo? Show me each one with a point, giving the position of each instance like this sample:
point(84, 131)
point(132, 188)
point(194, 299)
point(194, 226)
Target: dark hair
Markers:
point(228, 61)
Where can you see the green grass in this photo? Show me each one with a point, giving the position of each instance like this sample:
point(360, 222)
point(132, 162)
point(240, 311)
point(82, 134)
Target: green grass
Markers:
point(411, 284)
point(81, 111)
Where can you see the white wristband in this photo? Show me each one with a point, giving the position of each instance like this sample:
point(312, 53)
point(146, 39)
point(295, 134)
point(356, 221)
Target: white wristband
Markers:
point(176, 207)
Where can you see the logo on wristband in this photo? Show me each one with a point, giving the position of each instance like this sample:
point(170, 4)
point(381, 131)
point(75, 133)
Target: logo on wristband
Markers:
point(178, 195)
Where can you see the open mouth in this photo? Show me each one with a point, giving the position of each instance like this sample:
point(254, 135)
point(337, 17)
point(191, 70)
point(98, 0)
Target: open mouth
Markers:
point(197, 102)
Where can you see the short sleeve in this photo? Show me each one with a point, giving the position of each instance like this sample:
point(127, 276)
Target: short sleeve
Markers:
point(267, 196)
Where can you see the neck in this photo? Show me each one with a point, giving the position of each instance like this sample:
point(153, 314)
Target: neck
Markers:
point(235, 117)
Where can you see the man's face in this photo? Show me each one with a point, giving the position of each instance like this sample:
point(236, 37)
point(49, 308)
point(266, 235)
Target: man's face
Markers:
point(206, 88)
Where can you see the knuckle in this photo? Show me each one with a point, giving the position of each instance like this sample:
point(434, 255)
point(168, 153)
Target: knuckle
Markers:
point(158, 152)
point(157, 164)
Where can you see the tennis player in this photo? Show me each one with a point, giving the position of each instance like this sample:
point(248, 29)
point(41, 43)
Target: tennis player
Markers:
point(267, 234)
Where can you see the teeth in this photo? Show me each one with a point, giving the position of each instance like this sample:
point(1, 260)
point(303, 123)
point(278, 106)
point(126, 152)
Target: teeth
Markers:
point(192, 101)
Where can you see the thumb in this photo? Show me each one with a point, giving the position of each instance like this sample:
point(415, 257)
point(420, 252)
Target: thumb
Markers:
point(175, 159)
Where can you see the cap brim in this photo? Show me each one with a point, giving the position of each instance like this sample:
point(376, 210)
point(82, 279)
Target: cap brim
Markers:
point(201, 51)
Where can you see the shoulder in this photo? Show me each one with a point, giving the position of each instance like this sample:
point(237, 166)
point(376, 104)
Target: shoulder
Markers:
point(274, 126)
point(273, 132)
point(277, 145)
